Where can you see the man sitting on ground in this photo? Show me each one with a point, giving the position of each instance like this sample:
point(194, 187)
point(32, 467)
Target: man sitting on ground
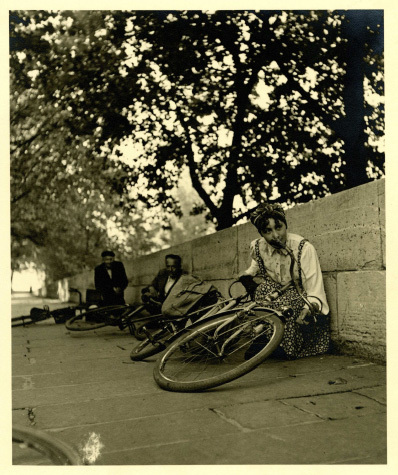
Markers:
point(155, 294)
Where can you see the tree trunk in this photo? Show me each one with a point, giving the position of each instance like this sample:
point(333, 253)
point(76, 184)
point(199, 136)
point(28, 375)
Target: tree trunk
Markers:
point(353, 124)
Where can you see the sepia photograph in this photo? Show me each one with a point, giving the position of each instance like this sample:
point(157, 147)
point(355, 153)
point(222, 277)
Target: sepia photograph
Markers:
point(197, 237)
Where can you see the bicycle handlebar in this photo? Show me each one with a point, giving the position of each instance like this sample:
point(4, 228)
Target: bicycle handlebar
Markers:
point(72, 289)
point(239, 298)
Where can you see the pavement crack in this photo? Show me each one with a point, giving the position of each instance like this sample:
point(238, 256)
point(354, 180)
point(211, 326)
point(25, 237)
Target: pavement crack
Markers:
point(342, 391)
point(369, 397)
point(304, 410)
point(229, 420)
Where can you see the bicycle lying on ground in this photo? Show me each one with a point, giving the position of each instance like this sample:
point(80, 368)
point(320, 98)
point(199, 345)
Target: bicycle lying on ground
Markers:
point(170, 328)
point(141, 324)
point(225, 347)
point(121, 316)
point(141, 321)
point(60, 315)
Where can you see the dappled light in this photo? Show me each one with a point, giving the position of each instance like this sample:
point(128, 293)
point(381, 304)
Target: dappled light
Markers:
point(111, 109)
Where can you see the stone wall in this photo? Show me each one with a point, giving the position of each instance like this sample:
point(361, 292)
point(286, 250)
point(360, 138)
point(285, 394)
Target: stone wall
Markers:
point(348, 231)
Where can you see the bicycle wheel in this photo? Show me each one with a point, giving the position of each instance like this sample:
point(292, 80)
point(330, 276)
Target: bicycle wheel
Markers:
point(96, 318)
point(147, 348)
point(139, 333)
point(220, 350)
point(52, 451)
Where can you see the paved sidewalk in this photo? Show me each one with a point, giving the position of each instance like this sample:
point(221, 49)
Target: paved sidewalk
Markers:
point(84, 389)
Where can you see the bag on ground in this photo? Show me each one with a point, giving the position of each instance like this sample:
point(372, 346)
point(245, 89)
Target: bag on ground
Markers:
point(186, 295)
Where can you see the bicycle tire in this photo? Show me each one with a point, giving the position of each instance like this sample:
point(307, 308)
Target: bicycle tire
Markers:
point(146, 348)
point(139, 333)
point(188, 365)
point(54, 449)
point(97, 318)
point(21, 321)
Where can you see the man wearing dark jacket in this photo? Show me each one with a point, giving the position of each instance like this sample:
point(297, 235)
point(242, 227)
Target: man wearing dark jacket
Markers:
point(110, 279)
point(163, 282)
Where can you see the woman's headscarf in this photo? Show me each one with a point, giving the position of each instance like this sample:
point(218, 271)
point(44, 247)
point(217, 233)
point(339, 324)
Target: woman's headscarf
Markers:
point(260, 216)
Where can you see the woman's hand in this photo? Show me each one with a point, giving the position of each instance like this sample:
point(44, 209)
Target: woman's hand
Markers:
point(249, 284)
point(301, 319)
point(308, 313)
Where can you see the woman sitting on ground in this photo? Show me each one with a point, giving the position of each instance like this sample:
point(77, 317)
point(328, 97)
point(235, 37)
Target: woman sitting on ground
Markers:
point(307, 330)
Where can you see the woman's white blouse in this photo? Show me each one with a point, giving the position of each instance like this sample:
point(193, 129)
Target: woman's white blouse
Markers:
point(277, 264)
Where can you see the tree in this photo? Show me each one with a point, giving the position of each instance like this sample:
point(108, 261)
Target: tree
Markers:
point(255, 104)
point(63, 197)
point(200, 77)
point(363, 56)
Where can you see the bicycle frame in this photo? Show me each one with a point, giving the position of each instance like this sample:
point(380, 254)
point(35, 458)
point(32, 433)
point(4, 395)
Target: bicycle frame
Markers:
point(285, 311)
point(212, 310)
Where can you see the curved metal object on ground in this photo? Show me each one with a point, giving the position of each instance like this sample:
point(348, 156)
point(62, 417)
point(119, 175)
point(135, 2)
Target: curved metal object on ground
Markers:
point(57, 451)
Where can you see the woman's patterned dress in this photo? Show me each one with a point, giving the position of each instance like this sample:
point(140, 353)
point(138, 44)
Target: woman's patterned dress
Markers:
point(298, 340)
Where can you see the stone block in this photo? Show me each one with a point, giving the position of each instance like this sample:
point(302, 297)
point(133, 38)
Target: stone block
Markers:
point(330, 284)
point(141, 271)
point(344, 228)
point(215, 256)
point(362, 310)
point(349, 249)
point(246, 234)
point(132, 295)
point(82, 282)
point(319, 217)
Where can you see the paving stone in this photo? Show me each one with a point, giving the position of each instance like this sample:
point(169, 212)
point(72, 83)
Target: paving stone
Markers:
point(255, 415)
point(74, 386)
point(336, 406)
point(79, 392)
point(67, 378)
point(54, 365)
point(377, 393)
point(147, 431)
point(330, 442)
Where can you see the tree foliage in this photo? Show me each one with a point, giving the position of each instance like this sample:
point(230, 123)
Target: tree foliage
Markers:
point(257, 105)
point(63, 188)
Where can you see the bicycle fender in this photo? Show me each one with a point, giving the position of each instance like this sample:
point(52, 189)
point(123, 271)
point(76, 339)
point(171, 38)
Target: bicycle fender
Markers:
point(220, 314)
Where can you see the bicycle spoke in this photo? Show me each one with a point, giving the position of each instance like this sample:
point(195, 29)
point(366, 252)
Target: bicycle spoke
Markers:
point(219, 350)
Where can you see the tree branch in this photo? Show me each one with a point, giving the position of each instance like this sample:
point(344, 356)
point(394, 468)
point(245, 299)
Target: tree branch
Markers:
point(193, 169)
